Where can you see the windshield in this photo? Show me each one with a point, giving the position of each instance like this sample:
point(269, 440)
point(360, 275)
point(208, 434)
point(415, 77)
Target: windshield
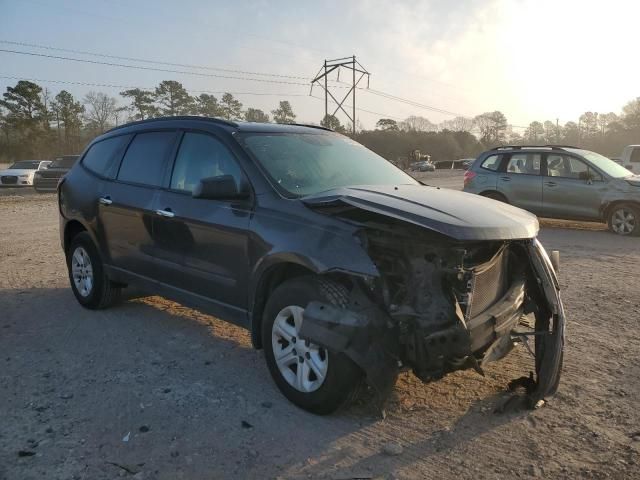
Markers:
point(605, 164)
point(63, 162)
point(25, 165)
point(308, 163)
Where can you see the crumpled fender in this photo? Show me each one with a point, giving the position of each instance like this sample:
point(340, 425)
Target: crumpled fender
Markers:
point(360, 333)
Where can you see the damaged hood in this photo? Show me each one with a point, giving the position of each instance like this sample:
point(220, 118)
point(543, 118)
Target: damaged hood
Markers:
point(459, 215)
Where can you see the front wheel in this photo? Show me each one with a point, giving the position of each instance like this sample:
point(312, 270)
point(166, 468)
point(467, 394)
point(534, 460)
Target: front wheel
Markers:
point(310, 376)
point(624, 219)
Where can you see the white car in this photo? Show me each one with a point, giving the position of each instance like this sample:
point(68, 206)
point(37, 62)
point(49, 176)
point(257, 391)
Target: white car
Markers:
point(21, 173)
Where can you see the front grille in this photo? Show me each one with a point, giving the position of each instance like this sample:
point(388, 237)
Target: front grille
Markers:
point(9, 180)
point(488, 284)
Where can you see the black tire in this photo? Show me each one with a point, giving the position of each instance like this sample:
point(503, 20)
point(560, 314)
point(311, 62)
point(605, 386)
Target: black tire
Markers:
point(625, 208)
point(495, 196)
point(344, 380)
point(103, 292)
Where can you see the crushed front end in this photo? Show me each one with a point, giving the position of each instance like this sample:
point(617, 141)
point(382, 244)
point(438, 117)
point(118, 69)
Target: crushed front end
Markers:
point(441, 305)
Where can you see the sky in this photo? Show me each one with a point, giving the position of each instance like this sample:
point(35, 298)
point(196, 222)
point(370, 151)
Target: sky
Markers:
point(531, 59)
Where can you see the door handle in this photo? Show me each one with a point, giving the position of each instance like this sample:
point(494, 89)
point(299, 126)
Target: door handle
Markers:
point(106, 200)
point(505, 179)
point(166, 213)
point(550, 184)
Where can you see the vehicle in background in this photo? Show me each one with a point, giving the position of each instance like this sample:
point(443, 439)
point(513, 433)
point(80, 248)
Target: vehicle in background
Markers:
point(47, 180)
point(342, 266)
point(467, 162)
point(422, 166)
point(631, 158)
point(559, 182)
point(21, 173)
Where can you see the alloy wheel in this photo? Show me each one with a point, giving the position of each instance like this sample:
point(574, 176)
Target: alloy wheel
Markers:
point(82, 271)
point(301, 363)
point(623, 221)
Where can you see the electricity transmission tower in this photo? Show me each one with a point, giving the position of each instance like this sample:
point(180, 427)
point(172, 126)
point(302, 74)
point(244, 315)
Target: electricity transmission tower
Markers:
point(322, 77)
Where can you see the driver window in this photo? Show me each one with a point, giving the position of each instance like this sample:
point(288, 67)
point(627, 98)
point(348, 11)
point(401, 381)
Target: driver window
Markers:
point(201, 156)
point(570, 167)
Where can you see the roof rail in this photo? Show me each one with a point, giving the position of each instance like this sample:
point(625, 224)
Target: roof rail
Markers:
point(309, 125)
point(520, 147)
point(221, 121)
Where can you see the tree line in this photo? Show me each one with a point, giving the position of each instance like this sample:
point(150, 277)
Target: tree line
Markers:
point(36, 124)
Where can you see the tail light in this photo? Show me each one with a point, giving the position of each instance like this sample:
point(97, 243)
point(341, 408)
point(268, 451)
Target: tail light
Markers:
point(468, 176)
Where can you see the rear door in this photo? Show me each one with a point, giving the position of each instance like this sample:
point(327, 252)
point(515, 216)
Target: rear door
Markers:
point(202, 244)
point(126, 204)
point(571, 188)
point(520, 180)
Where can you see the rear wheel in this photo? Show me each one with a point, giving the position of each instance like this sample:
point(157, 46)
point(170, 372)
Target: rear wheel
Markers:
point(624, 219)
point(310, 376)
point(90, 284)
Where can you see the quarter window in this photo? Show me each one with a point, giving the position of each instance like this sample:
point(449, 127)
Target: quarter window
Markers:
point(145, 158)
point(99, 157)
point(524, 163)
point(201, 156)
point(492, 162)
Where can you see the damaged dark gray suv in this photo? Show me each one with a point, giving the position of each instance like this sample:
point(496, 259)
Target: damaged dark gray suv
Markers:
point(345, 269)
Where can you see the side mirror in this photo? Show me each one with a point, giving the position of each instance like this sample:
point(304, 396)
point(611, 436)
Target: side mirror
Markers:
point(223, 187)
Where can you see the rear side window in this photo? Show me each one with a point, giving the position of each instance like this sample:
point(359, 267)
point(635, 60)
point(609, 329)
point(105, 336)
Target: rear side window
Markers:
point(492, 162)
point(524, 163)
point(99, 157)
point(145, 158)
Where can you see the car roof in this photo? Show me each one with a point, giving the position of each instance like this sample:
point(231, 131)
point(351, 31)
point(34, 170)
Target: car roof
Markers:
point(227, 124)
point(532, 147)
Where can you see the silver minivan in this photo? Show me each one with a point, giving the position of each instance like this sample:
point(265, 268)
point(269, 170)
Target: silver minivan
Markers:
point(559, 182)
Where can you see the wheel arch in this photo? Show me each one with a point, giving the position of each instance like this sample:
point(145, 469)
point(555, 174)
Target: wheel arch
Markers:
point(607, 207)
point(279, 270)
point(489, 192)
point(71, 229)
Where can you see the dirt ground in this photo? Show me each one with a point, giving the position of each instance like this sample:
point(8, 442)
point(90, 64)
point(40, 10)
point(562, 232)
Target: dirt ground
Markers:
point(153, 390)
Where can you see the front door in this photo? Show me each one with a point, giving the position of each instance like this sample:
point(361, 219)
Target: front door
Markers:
point(521, 182)
point(571, 189)
point(201, 245)
point(126, 204)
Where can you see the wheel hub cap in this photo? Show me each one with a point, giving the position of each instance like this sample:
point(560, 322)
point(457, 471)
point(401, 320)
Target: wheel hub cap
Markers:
point(302, 364)
point(624, 221)
point(82, 271)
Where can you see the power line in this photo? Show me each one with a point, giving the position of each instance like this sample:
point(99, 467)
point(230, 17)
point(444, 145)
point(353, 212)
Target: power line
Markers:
point(108, 85)
point(155, 62)
point(140, 67)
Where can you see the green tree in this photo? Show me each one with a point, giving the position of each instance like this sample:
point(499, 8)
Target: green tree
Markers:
point(387, 124)
point(208, 106)
point(231, 109)
point(332, 122)
point(68, 114)
point(284, 113)
point(534, 132)
point(174, 99)
point(23, 102)
point(141, 103)
point(256, 115)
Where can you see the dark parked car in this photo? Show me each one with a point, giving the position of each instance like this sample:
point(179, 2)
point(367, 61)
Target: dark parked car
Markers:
point(559, 182)
point(47, 180)
point(344, 268)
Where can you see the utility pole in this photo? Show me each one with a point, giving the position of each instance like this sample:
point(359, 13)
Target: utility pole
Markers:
point(329, 66)
point(557, 131)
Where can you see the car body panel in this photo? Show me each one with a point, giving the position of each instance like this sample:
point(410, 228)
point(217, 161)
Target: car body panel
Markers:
point(451, 213)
